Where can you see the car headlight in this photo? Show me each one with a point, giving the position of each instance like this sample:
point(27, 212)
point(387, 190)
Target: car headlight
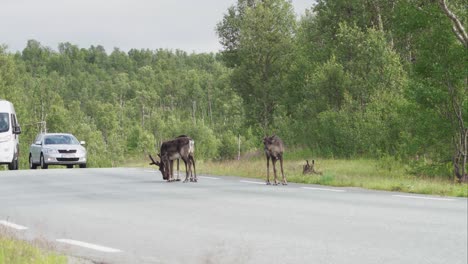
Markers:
point(50, 151)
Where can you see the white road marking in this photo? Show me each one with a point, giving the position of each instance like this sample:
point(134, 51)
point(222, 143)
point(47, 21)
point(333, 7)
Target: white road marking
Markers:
point(206, 177)
point(12, 225)
point(254, 182)
point(88, 245)
point(425, 198)
point(150, 170)
point(323, 189)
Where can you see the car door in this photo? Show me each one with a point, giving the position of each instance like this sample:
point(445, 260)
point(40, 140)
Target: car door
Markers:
point(36, 149)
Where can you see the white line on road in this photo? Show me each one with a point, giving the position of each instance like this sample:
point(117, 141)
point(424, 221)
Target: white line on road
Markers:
point(88, 245)
point(421, 197)
point(12, 225)
point(323, 189)
point(254, 182)
point(206, 177)
point(150, 170)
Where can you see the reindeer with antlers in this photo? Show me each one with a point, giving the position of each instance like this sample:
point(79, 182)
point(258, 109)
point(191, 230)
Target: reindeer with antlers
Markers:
point(182, 147)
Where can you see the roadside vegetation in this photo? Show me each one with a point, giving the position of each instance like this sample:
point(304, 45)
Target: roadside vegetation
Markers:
point(386, 174)
point(15, 251)
point(369, 174)
point(355, 81)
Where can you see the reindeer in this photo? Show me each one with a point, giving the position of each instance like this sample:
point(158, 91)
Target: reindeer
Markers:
point(274, 149)
point(309, 168)
point(180, 147)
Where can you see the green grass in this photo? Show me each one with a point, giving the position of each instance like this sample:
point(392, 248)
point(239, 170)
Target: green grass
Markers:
point(385, 174)
point(14, 251)
point(370, 174)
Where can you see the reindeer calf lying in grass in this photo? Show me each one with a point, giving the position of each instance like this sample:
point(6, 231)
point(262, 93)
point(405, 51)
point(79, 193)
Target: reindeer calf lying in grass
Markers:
point(309, 169)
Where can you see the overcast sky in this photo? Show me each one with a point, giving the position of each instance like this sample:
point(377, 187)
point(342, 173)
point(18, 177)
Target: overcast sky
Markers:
point(188, 25)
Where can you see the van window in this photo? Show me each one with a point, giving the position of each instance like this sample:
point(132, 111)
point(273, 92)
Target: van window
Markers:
point(4, 122)
point(14, 122)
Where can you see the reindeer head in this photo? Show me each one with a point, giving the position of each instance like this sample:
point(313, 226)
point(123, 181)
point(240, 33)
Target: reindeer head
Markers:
point(164, 166)
point(161, 166)
point(267, 140)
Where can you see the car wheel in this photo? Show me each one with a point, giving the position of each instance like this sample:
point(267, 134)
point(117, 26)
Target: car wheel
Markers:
point(43, 164)
point(32, 166)
point(83, 166)
point(16, 164)
point(11, 166)
point(70, 166)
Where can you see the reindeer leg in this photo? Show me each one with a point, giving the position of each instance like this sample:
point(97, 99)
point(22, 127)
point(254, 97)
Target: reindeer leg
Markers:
point(178, 179)
point(268, 171)
point(190, 169)
point(273, 160)
point(168, 170)
point(186, 170)
point(285, 182)
point(194, 171)
point(171, 171)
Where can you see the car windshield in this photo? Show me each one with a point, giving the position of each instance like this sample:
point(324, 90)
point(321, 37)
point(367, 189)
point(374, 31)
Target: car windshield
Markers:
point(4, 122)
point(61, 139)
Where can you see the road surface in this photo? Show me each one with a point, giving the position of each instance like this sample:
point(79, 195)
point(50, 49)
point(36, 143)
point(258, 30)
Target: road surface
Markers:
point(130, 215)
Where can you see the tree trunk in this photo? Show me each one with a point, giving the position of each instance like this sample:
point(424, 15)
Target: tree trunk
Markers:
point(461, 144)
point(194, 109)
point(457, 28)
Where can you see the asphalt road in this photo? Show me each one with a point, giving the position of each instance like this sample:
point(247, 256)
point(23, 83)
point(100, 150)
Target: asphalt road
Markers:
point(130, 215)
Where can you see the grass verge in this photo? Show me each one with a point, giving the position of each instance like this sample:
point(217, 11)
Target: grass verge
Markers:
point(15, 251)
point(370, 174)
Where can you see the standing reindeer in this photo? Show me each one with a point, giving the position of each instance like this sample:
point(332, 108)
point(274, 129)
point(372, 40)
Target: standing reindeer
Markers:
point(274, 149)
point(181, 147)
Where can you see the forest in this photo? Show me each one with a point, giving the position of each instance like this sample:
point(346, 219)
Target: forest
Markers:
point(347, 79)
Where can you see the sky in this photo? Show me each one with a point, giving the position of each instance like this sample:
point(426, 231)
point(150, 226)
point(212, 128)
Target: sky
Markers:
point(187, 25)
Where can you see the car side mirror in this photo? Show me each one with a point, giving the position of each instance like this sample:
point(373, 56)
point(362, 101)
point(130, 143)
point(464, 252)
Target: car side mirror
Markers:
point(82, 142)
point(17, 130)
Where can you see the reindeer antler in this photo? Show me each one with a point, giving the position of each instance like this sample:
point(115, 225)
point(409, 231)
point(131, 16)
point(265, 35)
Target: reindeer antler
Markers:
point(153, 162)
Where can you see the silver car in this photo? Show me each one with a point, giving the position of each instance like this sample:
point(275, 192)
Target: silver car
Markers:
point(57, 149)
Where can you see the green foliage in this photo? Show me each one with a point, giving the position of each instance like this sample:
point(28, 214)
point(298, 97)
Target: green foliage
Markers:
point(355, 79)
point(262, 45)
point(121, 104)
point(382, 81)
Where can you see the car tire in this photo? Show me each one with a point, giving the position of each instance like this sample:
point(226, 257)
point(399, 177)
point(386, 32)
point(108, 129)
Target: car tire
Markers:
point(70, 166)
point(32, 166)
point(13, 165)
point(43, 164)
point(83, 166)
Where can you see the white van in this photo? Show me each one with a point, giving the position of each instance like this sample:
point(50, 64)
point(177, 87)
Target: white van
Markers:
point(9, 139)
